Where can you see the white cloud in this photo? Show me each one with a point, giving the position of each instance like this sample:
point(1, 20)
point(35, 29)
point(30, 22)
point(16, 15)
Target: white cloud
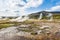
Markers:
point(7, 14)
point(55, 8)
point(31, 3)
point(34, 3)
point(11, 5)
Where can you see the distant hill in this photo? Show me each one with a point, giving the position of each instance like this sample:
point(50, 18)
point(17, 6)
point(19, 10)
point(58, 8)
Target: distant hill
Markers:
point(45, 12)
point(36, 15)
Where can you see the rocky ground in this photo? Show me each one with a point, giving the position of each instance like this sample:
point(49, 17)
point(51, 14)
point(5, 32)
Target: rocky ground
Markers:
point(32, 31)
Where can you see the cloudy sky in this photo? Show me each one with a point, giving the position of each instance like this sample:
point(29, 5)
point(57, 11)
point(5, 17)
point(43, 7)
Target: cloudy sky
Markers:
point(24, 7)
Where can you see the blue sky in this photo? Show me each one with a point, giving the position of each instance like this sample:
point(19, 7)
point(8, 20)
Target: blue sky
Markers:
point(24, 7)
point(46, 5)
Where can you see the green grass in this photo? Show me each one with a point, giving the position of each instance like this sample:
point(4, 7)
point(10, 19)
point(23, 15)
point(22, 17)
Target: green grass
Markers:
point(5, 25)
point(56, 16)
